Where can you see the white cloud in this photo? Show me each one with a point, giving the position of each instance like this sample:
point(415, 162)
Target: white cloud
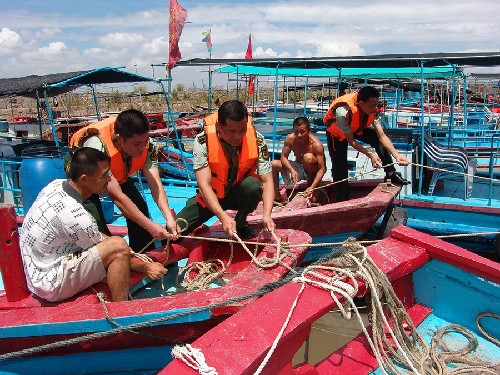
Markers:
point(123, 40)
point(47, 32)
point(54, 48)
point(9, 40)
point(157, 46)
point(125, 33)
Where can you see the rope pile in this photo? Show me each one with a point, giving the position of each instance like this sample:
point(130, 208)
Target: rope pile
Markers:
point(394, 342)
point(208, 271)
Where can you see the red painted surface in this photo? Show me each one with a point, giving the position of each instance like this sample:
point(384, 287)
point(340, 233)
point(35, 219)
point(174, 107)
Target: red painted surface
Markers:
point(32, 311)
point(11, 263)
point(156, 121)
point(449, 253)
point(368, 203)
point(356, 357)
point(240, 343)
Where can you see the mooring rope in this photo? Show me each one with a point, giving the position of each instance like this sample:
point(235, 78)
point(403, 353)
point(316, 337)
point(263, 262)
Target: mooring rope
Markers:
point(481, 329)
point(194, 358)
point(136, 326)
point(406, 348)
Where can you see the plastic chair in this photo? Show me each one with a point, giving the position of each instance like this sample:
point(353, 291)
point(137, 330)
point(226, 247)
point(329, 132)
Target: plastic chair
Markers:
point(452, 159)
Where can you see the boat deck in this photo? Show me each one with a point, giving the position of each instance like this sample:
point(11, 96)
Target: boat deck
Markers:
point(451, 191)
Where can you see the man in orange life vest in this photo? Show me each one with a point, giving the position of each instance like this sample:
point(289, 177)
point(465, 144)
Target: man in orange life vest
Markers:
point(351, 117)
point(126, 140)
point(233, 171)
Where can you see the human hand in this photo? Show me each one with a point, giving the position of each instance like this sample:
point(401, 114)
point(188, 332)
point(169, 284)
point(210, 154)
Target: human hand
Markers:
point(294, 175)
point(375, 159)
point(172, 228)
point(154, 270)
point(228, 224)
point(268, 223)
point(308, 193)
point(401, 160)
point(158, 231)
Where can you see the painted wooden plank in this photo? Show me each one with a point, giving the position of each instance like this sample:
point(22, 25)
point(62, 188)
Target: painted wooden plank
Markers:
point(248, 335)
point(450, 253)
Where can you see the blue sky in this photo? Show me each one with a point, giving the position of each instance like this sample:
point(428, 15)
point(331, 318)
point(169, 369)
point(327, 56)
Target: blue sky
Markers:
point(50, 36)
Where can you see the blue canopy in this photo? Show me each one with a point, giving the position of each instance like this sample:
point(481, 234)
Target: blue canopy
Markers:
point(395, 73)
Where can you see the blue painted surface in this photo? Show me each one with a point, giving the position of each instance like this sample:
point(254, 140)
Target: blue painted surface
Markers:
point(100, 325)
point(177, 197)
point(316, 252)
point(130, 361)
point(457, 297)
point(486, 350)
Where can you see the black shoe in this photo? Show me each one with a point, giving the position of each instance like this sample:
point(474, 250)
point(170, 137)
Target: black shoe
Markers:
point(245, 232)
point(397, 179)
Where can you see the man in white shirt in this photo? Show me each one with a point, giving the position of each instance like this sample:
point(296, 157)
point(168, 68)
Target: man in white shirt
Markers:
point(62, 249)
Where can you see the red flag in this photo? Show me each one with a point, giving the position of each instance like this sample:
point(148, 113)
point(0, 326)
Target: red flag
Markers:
point(178, 17)
point(248, 56)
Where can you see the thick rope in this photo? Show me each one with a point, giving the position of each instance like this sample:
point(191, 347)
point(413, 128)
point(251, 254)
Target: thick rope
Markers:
point(136, 326)
point(481, 329)
point(194, 358)
point(208, 271)
point(395, 342)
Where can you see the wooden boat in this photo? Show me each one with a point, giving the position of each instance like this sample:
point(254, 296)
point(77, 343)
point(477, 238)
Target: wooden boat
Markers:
point(86, 335)
point(438, 284)
point(369, 200)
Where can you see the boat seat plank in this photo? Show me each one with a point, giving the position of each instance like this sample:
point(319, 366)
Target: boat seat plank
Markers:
point(177, 251)
point(218, 343)
point(449, 253)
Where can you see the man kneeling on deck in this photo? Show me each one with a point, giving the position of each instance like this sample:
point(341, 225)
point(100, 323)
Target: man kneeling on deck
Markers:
point(309, 161)
point(232, 168)
point(62, 249)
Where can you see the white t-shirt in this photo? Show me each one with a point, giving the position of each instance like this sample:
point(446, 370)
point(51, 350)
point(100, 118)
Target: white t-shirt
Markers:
point(56, 226)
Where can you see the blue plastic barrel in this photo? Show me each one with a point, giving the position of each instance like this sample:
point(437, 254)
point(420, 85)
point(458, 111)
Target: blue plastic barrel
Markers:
point(37, 172)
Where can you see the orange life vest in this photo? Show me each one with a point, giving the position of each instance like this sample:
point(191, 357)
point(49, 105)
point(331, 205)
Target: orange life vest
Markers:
point(105, 130)
point(217, 160)
point(353, 115)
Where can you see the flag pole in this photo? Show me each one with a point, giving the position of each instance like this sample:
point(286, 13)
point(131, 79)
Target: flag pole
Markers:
point(210, 85)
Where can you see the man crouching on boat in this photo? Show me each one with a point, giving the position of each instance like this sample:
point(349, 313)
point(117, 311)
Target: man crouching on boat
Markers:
point(309, 161)
point(233, 171)
point(62, 249)
point(351, 117)
point(125, 139)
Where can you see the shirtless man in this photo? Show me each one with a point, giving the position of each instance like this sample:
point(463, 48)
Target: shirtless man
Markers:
point(309, 161)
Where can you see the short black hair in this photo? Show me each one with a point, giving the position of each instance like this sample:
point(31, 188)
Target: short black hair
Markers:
point(233, 110)
point(84, 161)
point(131, 122)
point(300, 121)
point(366, 93)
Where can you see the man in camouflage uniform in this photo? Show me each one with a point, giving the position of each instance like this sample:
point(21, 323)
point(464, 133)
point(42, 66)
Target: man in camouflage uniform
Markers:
point(233, 171)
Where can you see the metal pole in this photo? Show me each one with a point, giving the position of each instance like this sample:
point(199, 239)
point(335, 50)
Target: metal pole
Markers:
point(452, 107)
point(422, 127)
point(276, 93)
point(210, 86)
point(51, 119)
point(96, 103)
